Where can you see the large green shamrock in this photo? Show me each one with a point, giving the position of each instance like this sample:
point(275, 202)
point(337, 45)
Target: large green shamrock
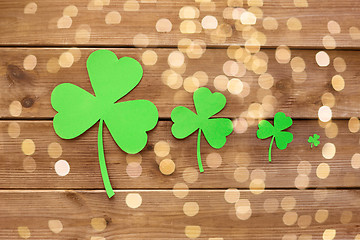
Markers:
point(78, 110)
point(282, 138)
point(215, 130)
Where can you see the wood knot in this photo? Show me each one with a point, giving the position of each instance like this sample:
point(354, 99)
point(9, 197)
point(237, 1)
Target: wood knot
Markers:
point(75, 197)
point(284, 85)
point(107, 219)
point(16, 74)
point(150, 147)
point(27, 102)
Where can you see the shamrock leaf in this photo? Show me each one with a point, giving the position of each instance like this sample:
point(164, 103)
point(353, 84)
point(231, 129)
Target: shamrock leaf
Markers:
point(128, 122)
point(187, 122)
point(314, 140)
point(282, 138)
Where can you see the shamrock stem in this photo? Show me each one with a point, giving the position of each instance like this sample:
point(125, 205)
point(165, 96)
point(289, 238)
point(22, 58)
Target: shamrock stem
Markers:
point(198, 153)
point(103, 169)
point(272, 141)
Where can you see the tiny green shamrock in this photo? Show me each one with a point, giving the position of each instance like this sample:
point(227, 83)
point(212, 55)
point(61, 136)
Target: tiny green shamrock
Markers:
point(187, 122)
point(314, 140)
point(282, 138)
point(78, 110)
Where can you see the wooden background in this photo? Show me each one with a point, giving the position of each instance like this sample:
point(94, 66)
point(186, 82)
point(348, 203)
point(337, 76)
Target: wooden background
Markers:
point(265, 56)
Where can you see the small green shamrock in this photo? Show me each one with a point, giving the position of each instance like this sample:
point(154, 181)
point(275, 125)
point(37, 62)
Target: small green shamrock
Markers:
point(187, 122)
point(282, 138)
point(314, 140)
point(128, 122)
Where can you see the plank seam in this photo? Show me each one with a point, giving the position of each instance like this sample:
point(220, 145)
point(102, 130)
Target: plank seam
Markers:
point(171, 189)
point(174, 47)
point(164, 119)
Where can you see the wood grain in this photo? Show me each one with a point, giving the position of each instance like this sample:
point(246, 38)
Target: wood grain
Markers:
point(299, 100)
point(243, 159)
point(303, 194)
point(161, 215)
point(41, 28)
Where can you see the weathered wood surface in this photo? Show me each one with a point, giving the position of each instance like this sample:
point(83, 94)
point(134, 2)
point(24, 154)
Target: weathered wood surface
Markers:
point(309, 214)
point(303, 194)
point(297, 99)
point(243, 161)
point(89, 27)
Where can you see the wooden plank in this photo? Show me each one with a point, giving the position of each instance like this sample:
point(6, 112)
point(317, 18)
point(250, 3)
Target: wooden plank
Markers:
point(242, 162)
point(40, 25)
point(32, 88)
point(271, 215)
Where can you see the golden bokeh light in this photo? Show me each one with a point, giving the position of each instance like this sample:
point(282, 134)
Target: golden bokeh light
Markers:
point(333, 27)
point(64, 22)
point(328, 99)
point(329, 234)
point(298, 64)
point(328, 150)
point(14, 130)
point(355, 161)
point(98, 224)
point(321, 215)
point(329, 42)
point(354, 124)
point(15, 108)
point(180, 190)
point(167, 166)
point(71, 11)
point(339, 64)
point(322, 59)
point(189, 12)
point(288, 203)
point(301, 3)
point(270, 23)
point(133, 200)
point(283, 54)
point(290, 218)
point(323, 170)
point(294, 24)
point(338, 83)
point(232, 195)
point(354, 33)
point(113, 17)
point(30, 8)
point(325, 114)
point(131, 6)
point(192, 232)
point(190, 175)
point(163, 25)
point(271, 205)
point(209, 22)
point(191, 209)
point(24, 232)
point(55, 226)
point(149, 57)
point(30, 62)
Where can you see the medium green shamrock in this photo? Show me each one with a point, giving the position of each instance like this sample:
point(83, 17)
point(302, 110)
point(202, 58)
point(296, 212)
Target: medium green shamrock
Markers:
point(187, 122)
point(314, 140)
point(78, 110)
point(282, 138)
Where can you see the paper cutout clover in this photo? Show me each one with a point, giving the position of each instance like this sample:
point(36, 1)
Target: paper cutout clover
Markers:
point(282, 138)
point(128, 122)
point(314, 140)
point(187, 122)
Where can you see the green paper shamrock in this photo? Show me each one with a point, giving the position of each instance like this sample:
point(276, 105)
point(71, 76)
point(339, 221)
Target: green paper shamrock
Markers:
point(187, 122)
point(282, 138)
point(128, 122)
point(314, 140)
